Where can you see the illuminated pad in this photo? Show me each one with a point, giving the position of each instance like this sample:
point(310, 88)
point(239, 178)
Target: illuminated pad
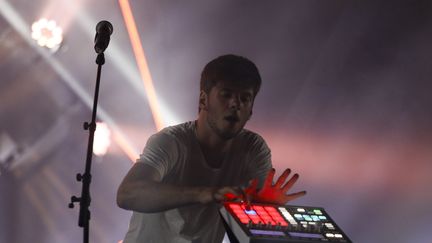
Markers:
point(280, 223)
point(266, 215)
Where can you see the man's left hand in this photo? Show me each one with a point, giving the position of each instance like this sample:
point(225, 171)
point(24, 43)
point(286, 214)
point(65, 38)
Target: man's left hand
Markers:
point(274, 194)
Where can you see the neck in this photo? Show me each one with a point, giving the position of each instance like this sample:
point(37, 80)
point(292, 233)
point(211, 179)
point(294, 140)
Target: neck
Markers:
point(208, 139)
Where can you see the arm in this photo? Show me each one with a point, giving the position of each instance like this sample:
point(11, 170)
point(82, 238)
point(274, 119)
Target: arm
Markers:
point(142, 191)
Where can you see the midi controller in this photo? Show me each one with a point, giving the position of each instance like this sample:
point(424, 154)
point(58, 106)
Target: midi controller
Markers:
point(262, 223)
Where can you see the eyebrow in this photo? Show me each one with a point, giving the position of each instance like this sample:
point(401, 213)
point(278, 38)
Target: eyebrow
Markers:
point(242, 91)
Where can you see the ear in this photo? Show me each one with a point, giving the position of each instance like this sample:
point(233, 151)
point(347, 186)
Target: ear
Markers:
point(203, 100)
point(250, 114)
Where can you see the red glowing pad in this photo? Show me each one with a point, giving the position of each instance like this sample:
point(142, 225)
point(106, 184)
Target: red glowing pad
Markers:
point(257, 214)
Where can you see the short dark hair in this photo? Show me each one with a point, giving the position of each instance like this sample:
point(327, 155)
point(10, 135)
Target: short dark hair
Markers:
point(230, 68)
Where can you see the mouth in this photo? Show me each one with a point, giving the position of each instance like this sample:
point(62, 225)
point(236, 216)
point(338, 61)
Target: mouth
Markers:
point(232, 118)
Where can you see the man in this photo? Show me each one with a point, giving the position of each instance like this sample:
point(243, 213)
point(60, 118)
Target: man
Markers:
point(185, 171)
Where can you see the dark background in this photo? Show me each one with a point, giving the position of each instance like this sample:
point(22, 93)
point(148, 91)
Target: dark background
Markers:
point(345, 102)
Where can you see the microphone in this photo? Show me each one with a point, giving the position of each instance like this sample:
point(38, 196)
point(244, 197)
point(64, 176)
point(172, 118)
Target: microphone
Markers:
point(104, 30)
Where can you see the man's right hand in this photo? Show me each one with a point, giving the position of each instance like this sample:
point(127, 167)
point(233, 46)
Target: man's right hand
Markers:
point(220, 194)
point(142, 191)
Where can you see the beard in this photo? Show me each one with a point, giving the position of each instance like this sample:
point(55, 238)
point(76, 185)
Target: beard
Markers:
point(225, 134)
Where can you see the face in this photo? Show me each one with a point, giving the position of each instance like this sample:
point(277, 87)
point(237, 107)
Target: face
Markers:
point(228, 108)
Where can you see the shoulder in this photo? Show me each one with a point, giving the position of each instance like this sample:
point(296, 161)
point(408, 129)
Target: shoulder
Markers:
point(167, 144)
point(179, 129)
point(178, 132)
point(251, 138)
point(174, 134)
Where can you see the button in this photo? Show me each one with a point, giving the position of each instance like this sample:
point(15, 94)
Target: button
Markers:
point(338, 235)
point(330, 235)
point(315, 218)
point(307, 217)
point(317, 211)
point(283, 210)
point(330, 226)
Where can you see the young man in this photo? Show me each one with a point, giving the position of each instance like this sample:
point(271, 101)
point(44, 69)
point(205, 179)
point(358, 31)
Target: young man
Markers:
point(185, 171)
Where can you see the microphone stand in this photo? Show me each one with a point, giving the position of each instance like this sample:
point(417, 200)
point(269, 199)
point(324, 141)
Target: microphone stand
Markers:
point(84, 200)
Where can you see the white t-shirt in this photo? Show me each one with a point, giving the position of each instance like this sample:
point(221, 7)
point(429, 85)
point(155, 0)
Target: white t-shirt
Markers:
point(176, 154)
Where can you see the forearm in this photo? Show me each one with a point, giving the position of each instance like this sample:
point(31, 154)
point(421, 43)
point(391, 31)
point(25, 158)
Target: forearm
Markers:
point(151, 197)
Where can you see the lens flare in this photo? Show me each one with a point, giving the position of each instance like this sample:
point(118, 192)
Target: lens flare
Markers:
point(46, 33)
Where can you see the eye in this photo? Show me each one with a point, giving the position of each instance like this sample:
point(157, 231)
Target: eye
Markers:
point(246, 98)
point(225, 93)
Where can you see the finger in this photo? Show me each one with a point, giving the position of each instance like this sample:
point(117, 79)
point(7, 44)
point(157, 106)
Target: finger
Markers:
point(290, 183)
point(250, 192)
point(251, 182)
point(228, 189)
point(243, 195)
point(226, 193)
point(230, 196)
point(218, 197)
point(252, 188)
point(269, 180)
point(293, 196)
point(282, 178)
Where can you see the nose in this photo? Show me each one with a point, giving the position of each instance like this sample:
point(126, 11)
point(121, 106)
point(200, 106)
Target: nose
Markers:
point(234, 102)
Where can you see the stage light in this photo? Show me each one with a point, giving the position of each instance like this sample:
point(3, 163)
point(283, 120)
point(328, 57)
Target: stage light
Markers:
point(47, 34)
point(102, 139)
point(142, 63)
point(9, 151)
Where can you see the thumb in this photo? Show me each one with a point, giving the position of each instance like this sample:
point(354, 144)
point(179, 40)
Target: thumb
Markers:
point(252, 188)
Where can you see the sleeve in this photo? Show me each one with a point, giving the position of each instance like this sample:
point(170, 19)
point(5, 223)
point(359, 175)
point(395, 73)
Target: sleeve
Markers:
point(260, 160)
point(160, 152)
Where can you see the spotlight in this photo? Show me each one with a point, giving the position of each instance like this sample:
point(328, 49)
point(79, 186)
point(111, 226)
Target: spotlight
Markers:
point(47, 34)
point(9, 152)
point(102, 139)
